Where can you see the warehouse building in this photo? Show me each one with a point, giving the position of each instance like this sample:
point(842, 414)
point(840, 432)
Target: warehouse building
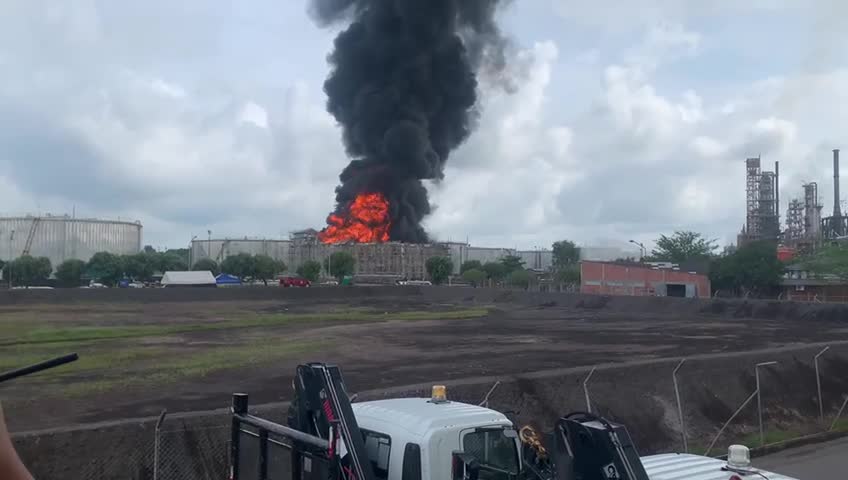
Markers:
point(381, 261)
point(607, 278)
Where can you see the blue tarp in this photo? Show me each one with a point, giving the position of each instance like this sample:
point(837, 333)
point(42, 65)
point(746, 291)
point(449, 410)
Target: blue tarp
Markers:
point(226, 279)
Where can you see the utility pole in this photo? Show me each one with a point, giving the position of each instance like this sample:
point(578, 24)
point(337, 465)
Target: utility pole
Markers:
point(209, 244)
point(11, 237)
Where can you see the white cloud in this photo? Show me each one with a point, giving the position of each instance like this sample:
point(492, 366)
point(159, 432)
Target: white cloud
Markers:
point(191, 118)
point(510, 173)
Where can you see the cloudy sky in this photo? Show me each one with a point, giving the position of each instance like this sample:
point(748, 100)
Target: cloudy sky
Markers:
point(631, 120)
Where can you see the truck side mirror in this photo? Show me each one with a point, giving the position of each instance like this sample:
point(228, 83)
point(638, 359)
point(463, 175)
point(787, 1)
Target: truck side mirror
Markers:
point(464, 466)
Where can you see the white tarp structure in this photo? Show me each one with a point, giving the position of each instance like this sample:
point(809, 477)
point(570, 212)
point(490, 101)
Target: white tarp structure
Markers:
point(189, 279)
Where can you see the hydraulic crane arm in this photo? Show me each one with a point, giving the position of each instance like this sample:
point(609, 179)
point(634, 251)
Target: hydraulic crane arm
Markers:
point(320, 423)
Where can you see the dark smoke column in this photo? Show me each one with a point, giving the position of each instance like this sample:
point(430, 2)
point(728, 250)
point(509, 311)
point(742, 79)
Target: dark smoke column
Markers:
point(403, 86)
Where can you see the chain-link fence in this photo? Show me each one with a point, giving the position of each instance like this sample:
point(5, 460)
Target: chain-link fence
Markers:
point(184, 452)
point(122, 463)
point(699, 405)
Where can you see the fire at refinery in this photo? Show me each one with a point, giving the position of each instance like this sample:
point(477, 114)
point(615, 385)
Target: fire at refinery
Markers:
point(403, 86)
point(365, 221)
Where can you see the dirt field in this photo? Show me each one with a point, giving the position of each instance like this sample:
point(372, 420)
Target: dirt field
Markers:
point(138, 358)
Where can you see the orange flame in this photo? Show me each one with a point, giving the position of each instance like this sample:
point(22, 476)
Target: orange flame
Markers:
point(367, 221)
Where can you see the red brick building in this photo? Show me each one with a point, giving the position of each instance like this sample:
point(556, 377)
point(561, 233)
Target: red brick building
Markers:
point(607, 278)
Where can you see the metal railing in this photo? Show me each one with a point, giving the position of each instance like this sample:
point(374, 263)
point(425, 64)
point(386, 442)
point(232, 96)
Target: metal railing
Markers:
point(757, 393)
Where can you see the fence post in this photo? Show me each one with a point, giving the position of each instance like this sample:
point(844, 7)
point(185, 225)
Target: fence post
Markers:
point(157, 443)
point(680, 406)
point(721, 430)
point(485, 401)
point(818, 384)
point(760, 399)
point(839, 413)
point(240, 402)
point(586, 390)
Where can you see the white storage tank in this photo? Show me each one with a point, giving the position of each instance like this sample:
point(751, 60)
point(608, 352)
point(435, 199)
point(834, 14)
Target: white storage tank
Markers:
point(60, 238)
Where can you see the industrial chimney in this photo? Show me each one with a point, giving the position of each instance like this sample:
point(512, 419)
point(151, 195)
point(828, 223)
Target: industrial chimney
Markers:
point(777, 193)
point(837, 212)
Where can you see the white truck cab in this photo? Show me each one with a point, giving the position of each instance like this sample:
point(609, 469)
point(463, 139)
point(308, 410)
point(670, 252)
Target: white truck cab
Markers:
point(436, 439)
point(408, 435)
point(415, 438)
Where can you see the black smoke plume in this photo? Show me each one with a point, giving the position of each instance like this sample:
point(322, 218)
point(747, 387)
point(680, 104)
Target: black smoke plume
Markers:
point(403, 86)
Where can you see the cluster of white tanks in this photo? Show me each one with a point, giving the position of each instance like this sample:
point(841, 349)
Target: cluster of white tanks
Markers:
point(60, 238)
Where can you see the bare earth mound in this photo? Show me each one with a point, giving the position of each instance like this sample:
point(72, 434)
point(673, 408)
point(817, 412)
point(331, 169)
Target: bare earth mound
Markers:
point(140, 355)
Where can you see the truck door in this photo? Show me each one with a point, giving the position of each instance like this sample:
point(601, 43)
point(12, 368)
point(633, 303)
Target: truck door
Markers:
point(496, 449)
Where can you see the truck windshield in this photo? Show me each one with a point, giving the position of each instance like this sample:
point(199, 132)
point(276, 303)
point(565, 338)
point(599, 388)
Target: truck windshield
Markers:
point(496, 451)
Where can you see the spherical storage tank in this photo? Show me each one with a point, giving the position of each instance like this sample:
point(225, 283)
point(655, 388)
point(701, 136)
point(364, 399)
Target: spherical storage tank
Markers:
point(60, 238)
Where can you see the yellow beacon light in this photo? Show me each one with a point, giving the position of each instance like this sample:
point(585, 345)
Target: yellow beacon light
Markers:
point(439, 394)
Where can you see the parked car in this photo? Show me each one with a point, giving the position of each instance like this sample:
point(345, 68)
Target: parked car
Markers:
point(294, 282)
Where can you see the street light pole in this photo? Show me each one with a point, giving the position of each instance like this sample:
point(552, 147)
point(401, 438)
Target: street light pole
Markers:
point(209, 244)
point(642, 250)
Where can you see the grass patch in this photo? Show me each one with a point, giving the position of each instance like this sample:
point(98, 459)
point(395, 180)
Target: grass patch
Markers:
point(45, 334)
point(841, 425)
point(192, 365)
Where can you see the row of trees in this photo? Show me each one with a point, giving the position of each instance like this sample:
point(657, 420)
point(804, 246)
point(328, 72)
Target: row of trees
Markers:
point(103, 266)
point(109, 269)
point(244, 266)
point(264, 268)
point(509, 270)
point(338, 265)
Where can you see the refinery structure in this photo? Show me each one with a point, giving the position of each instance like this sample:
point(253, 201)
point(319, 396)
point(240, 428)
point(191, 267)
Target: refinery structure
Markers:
point(61, 238)
point(806, 227)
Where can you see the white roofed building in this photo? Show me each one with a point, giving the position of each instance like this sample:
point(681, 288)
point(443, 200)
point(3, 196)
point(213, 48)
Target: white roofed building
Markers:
point(189, 279)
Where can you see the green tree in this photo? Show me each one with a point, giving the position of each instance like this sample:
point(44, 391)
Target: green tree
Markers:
point(28, 271)
point(682, 246)
point(470, 265)
point(171, 261)
point(241, 265)
point(266, 268)
point(148, 249)
point(206, 264)
point(565, 253)
point(105, 268)
point(512, 263)
point(181, 253)
point(474, 276)
point(439, 269)
point(495, 270)
point(310, 270)
point(831, 260)
point(340, 265)
point(519, 278)
point(569, 275)
point(140, 266)
point(69, 273)
point(753, 268)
